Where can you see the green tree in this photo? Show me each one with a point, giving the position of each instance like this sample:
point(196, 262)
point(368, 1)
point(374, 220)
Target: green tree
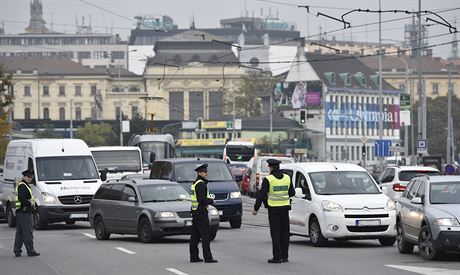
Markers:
point(97, 134)
point(48, 132)
point(247, 96)
point(6, 99)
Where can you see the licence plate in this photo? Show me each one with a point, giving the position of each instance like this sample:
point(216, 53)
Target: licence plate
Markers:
point(221, 212)
point(79, 216)
point(188, 223)
point(367, 222)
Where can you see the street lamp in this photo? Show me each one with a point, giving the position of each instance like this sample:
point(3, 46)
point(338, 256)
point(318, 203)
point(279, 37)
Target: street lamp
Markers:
point(449, 144)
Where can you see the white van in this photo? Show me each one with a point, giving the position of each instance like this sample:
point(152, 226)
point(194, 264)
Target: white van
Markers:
point(118, 161)
point(340, 201)
point(260, 170)
point(66, 179)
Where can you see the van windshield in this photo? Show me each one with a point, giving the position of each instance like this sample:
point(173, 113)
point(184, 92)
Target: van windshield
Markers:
point(66, 168)
point(342, 183)
point(217, 171)
point(118, 160)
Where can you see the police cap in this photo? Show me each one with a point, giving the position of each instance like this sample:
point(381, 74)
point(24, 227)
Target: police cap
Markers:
point(272, 162)
point(202, 168)
point(28, 173)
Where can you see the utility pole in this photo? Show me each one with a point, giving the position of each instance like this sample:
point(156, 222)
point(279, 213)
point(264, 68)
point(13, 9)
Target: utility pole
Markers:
point(380, 86)
point(449, 117)
point(421, 94)
point(71, 120)
point(121, 107)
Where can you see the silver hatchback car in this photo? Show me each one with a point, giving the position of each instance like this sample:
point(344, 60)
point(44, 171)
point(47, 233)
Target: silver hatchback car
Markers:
point(428, 214)
point(147, 208)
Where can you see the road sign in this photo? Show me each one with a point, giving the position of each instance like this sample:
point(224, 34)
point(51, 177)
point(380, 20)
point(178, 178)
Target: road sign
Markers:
point(397, 149)
point(449, 169)
point(229, 124)
point(382, 148)
point(422, 146)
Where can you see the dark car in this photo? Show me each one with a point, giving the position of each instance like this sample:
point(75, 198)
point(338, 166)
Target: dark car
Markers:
point(147, 208)
point(227, 195)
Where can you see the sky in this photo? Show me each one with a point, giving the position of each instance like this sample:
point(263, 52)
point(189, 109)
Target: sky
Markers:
point(118, 16)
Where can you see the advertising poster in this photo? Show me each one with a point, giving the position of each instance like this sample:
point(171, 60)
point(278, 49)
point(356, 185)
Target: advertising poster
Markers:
point(298, 95)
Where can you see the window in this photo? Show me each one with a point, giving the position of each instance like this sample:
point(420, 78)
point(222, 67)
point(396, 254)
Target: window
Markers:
point(421, 190)
point(435, 88)
point(176, 105)
point(216, 105)
point(93, 90)
point(410, 192)
point(46, 90)
point(61, 90)
point(94, 113)
point(78, 113)
point(110, 192)
point(78, 90)
point(117, 113)
point(61, 113)
point(27, 113)
point(27, 91)
point(84, 55)
point(117, 55)
point(196, 105)
point(128, 191)
point(46, 113)
point(134, 112)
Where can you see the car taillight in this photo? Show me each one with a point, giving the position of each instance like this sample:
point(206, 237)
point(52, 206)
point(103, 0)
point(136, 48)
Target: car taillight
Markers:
point(257, 180)
point(398, 187)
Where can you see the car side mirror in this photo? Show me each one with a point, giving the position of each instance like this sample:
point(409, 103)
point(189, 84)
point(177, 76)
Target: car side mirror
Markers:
point(132, 199)
point(417, 200)
point(298, 193)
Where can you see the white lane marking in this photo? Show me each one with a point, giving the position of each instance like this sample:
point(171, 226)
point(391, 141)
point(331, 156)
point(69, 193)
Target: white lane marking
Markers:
point(89, 235)
point(125, 250)
point(426, 270)
point(178, 272)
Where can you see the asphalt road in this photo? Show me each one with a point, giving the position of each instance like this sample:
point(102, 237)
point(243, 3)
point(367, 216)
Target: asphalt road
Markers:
point(72, 249)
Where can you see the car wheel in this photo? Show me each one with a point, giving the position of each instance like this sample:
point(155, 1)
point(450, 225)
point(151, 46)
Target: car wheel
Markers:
point(403, 246)
point(425, 244)
point(212, 235)
point(314, 231)
point(387, 241)
point(236, 223)
point(145, 230)
point(100, 230)
point(39, 224)
point(10, 218)
point(70, 222)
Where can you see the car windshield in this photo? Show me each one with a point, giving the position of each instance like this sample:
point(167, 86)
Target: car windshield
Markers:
point(342, 183)
point(118, 160)
point(408, 175)
point(66, 168)
point(159, 193)
point(445, 192)
point(217, 171)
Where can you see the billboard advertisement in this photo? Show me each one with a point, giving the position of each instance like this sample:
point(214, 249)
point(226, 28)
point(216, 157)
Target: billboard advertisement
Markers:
point(298, 95)
point(362, 112)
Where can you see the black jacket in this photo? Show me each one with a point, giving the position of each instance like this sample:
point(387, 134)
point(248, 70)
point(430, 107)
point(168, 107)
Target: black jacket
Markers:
point(201, 191)
point(24, 197)
point(262, 194)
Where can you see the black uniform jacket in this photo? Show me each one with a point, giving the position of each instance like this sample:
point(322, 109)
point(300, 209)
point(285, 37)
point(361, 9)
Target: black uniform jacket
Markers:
point(262, 194)
point(201, 191)
point(24, 197)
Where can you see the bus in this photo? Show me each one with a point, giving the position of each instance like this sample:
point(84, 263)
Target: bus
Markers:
point(118, 161)
point(162, 146)
point(241, 151)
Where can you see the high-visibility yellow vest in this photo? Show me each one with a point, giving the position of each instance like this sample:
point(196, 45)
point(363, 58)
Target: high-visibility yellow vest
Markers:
point(32, 198)
point(193, 196)
point(278, 192)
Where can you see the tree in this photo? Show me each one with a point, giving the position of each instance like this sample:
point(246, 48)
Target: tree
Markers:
point(97, 134)
point(248, 94)
point(6, 99)
point(48, 132)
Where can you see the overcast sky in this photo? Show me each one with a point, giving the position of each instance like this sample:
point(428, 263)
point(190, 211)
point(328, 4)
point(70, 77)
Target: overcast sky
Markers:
point(15, 15)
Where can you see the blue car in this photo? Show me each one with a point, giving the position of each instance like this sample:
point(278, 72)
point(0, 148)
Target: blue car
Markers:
point(222, 185)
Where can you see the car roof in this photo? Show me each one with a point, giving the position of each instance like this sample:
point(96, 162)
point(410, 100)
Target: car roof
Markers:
point(140, 182)
point(323, 166)
point(444, 178)
point(185, 160)
point(416, 168)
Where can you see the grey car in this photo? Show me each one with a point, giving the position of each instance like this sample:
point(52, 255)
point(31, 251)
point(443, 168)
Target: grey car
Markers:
point(147, 208)
point(428, 215)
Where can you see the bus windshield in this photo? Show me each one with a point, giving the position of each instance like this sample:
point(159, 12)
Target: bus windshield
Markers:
point(118, 160)
point(240, 152)
point(160, 149)
point(66, 168)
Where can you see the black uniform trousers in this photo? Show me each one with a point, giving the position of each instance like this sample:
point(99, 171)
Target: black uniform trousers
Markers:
point(279, 231)
point(24, 233)
point(200, 230)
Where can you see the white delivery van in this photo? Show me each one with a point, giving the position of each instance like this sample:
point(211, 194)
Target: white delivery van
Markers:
point(259, 170)
point(66, 179)
point(118, 161)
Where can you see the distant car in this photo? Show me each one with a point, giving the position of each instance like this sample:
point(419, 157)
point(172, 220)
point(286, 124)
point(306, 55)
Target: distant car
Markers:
point(260, 170)
point(238, 170)
point(246, 181)
point(428, 215)
point(147, 208)
point(394, 179)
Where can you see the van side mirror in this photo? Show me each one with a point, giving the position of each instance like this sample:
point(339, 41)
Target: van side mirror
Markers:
point(152, 157)
point(104, 175)
point(132, 199)
point(416, 200)
point(298, 193)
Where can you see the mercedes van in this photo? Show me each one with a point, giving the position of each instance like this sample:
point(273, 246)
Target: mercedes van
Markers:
point(66, 178)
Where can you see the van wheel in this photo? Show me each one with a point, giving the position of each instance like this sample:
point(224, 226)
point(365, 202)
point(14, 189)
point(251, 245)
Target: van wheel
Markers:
point(39, 224)
point(100, 230)
point(145, 230)
point(235, 223)
point(403, 246)
point(70, 222)
point(314, 231)
point(10, 218)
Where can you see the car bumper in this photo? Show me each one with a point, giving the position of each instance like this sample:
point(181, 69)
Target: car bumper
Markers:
point(336, 225)
point(447, 240)
point(229, 209)
point(51, 214)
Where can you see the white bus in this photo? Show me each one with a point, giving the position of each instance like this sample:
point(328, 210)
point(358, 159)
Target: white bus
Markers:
point(162, 146)
point(240, 151)
point(117, 161)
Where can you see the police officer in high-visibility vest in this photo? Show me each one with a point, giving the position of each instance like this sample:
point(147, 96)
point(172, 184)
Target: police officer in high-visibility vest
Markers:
point(25, 206)
point(276, 190)
point(200, 223)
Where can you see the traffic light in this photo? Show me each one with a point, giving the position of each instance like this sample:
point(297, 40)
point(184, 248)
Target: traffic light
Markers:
point(199, 124)
point(363, 149)
point(303, 116)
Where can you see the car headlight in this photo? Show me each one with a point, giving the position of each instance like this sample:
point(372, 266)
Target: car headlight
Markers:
point(49, 198)
point(164, 215)
point(391, 205)
point(447, 222)
point(235, 195)
point(213, 211)
point(331, 206)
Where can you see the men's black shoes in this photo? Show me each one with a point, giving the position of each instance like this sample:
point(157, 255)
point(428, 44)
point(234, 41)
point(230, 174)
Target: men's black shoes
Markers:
point(196, 260)
point(33, 254)
point(17, 255)
point(210, 261)
point(285, 260)
point(274, 261)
